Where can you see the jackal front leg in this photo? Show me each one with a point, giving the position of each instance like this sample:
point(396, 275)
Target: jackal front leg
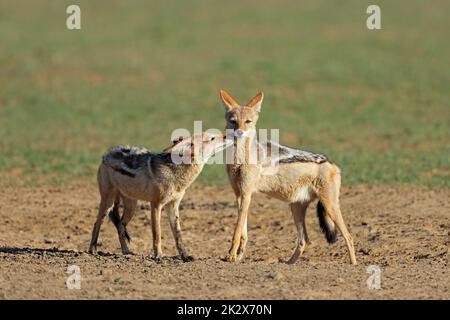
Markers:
point(174, 220)
point(156, 231)
point(239, 230)
point(243, 242)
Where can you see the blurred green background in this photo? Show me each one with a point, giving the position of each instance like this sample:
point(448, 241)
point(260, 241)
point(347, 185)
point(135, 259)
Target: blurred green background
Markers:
point(376, 102)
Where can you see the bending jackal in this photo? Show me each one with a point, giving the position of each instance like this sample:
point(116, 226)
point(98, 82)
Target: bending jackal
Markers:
point(131, 173)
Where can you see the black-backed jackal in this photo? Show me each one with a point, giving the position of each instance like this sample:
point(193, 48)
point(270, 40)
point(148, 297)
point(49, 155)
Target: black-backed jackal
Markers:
point(131, 174)
point(300, 178)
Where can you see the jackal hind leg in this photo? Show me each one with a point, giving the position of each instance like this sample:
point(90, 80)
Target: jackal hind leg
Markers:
point(175, 225)
point(299, 214)
point(129, 207)
point(107, 200)
point(330, 201)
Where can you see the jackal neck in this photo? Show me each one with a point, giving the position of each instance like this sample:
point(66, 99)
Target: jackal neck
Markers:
point(245, 150)
point(185, 174)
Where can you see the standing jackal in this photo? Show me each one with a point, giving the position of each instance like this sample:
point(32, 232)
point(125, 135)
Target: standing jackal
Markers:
point(131, 174)
point(300, 178)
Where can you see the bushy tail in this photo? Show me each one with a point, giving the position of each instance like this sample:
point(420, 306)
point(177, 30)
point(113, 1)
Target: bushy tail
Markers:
point(326, 224)
point(114, 216)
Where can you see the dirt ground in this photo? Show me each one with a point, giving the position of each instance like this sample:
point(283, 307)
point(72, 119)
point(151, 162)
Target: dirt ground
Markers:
point(404, 231)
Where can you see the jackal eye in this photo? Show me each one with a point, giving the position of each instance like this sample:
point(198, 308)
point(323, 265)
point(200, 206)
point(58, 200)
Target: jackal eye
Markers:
point(213, 138)
point(248, 121)
point(232, 121)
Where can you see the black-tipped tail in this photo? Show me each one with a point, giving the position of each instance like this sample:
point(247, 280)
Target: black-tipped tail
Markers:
point(326, 224)
point(114, 216)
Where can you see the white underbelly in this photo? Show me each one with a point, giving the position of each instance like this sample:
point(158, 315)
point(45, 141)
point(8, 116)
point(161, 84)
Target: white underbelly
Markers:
point(304, 194)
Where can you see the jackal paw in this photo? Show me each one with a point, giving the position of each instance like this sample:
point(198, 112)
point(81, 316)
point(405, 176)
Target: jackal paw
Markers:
point(290, 261)
point(92, 250)
point(157, 258)
point(231, 258)
point(187, 258)
point(240, 256)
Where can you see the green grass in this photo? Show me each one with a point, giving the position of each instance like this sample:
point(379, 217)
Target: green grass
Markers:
point(376, 102)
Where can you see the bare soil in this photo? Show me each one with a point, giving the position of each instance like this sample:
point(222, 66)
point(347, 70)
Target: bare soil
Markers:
point(404, 231)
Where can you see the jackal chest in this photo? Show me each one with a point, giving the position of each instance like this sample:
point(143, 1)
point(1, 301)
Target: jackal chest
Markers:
point(243, 175)
point(243, 170)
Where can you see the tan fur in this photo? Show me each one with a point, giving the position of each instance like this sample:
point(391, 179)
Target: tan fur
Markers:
point(297, 183)
point(161, 183)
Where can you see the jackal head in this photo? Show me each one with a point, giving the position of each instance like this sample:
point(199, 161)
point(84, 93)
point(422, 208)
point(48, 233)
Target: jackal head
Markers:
point(241, 119)
point(197, 148)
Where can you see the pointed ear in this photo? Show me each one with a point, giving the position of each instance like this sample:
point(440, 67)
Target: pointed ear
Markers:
point(256, 102)
point(180, 138)
point(174, 143)
point(228, 102)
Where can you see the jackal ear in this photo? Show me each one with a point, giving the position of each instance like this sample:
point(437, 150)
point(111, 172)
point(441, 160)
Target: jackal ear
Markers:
point(256, 102)
point(228, 102)
point(180, 138)
point(174, 143)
